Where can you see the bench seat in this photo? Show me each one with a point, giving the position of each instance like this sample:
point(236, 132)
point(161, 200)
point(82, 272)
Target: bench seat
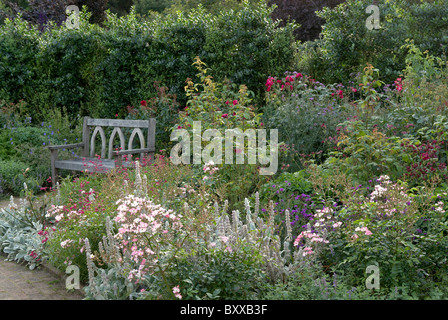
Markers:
point(90, 164)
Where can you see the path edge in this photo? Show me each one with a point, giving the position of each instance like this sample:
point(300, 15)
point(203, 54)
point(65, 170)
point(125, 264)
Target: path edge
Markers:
point(55, 272)
point(63, 276)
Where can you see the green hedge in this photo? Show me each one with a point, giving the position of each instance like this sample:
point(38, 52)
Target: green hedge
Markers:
point(98, 71)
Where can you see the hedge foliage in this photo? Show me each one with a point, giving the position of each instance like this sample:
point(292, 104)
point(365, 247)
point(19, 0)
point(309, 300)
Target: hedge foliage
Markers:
point(99, 71)
point(347, 44)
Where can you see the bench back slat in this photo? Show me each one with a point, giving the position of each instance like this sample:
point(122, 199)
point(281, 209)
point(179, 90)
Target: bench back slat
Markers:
point(140, 136)
point(103, 142)
point(117, 123)
point(111, 141)
point(98, 124)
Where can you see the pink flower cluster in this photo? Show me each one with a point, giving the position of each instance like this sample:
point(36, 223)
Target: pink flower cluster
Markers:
point(309, 236)
point(308, 250)
point(398, 85)
point(66, 243)
point(56, 212)
point(176, 291)
point(340, 94)
point(288, 81)
point(366, 231)
point(44, 234)
point(139, 215)
point(144, 229)
point(209, 168)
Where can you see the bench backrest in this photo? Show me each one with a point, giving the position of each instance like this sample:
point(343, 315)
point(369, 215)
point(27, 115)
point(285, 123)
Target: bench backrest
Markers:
point(89, 135)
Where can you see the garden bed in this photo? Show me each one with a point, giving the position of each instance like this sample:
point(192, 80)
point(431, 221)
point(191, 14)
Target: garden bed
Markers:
point(353, 206)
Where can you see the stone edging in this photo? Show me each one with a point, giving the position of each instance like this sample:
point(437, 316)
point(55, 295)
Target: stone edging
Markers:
point(61, 275)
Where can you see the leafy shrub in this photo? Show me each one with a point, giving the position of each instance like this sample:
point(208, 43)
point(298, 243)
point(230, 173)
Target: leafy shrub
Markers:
point(305, 112)
point(77, 214)
point(20, 242)
point(24, 230)
point(211, 6)
point(221, 106)
point(312, 283)
point(219, 274)
point(19, 49)
point(142, 7)
point(347, 44)
point(364, 153)
point(25, 144)
point(379, 223)
point(107, 69)
point(12, 177)
point(165, 108)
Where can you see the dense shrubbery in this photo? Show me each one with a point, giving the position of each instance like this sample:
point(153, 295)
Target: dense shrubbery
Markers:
point(347, 45)
point(99, 71)
point(23, 147)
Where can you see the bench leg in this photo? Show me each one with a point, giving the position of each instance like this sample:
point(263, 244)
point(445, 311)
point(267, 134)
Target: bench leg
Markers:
point(54, 170)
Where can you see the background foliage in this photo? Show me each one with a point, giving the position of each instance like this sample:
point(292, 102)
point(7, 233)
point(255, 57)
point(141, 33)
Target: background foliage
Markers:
point(100, 71)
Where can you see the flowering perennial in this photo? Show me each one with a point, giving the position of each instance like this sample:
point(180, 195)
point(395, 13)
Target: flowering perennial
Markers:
point(144, 231)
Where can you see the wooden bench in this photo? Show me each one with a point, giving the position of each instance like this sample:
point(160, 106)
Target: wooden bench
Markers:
point(115, 158)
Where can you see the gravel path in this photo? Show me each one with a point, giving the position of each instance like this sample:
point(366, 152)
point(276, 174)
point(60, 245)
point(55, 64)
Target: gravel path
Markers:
point(17, 282)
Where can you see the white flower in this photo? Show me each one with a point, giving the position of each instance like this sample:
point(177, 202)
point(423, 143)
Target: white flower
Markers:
point(337, 224)
point(66, 243)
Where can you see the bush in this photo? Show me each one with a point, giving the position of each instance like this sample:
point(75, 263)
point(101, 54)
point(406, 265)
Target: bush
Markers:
point(165, 108)
point(25, 144)
point(219, 274)
point(305, 112)
point(348, 45)
point(24, 229)
point(142, 7)
point(312, 283)
point(76, 215)
point(383, 226)
point(100, 71)
point(12, 177)
point(22, 242)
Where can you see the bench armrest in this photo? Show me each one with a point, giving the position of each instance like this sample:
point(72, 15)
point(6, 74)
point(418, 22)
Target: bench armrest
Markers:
point(67, 146)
